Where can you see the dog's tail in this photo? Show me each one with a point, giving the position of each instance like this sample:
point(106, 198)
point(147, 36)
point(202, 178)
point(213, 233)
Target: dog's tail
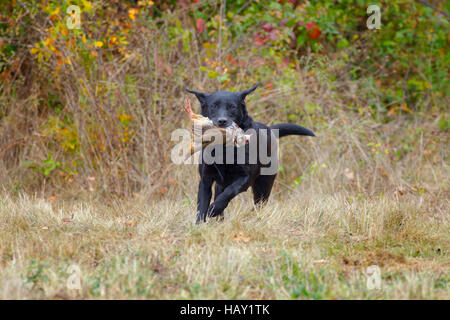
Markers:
point(286, 129)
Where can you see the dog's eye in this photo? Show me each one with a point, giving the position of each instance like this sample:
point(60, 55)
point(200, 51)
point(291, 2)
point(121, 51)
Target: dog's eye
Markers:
point(230, 107)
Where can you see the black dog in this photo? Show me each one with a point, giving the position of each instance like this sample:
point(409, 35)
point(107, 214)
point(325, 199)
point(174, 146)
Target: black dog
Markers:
point(223, 107)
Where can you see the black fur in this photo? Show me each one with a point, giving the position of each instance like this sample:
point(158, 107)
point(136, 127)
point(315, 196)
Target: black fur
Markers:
point(223, 107)
point(286, 129)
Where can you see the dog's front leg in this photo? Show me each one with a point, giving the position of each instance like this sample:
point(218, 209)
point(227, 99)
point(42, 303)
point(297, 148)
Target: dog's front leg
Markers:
point(204, 197)
point(222, 200)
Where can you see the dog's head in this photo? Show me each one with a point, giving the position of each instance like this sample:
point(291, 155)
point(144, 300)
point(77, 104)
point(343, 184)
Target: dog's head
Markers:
point(224, 107)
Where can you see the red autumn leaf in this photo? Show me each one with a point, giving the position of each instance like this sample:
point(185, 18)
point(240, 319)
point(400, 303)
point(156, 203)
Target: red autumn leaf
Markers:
point(231, 59)
point(315, 33)
point(201, 25)
point(258, 40)
point(310, 25)
point(285, 62)
point(267, 27)
point(314, 30)
point(243, 63)
point(268, 86)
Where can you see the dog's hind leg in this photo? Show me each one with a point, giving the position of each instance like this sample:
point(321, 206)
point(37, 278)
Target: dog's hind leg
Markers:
point(262, 188)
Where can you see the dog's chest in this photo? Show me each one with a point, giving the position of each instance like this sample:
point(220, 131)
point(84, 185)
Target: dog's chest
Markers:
point(226, 174)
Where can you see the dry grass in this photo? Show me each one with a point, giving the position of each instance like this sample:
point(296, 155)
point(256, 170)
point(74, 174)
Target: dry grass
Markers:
point(309, 246)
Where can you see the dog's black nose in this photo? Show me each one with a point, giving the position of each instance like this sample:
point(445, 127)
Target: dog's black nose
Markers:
point(222, 122)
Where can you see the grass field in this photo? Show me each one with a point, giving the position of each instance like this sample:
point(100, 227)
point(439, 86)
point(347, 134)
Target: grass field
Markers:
point(307, 246)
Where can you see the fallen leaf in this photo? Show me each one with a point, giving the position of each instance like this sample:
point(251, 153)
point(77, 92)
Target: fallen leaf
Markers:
point(240, 237)
point(52, 198)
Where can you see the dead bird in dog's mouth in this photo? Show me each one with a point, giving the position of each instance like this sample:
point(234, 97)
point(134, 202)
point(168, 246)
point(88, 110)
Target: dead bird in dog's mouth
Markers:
point(204, 133)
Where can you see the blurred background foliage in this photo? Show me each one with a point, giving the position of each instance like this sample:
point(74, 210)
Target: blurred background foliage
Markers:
point(92, 109)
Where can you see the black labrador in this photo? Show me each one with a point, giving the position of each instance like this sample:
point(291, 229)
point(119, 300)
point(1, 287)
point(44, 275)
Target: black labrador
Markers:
point(223, 107)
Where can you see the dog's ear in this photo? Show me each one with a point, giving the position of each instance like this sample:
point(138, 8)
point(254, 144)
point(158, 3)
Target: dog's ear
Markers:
point(200, 95)
point(244, 93)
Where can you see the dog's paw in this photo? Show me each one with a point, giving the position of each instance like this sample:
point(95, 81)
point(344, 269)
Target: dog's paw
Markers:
point(215, 209)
